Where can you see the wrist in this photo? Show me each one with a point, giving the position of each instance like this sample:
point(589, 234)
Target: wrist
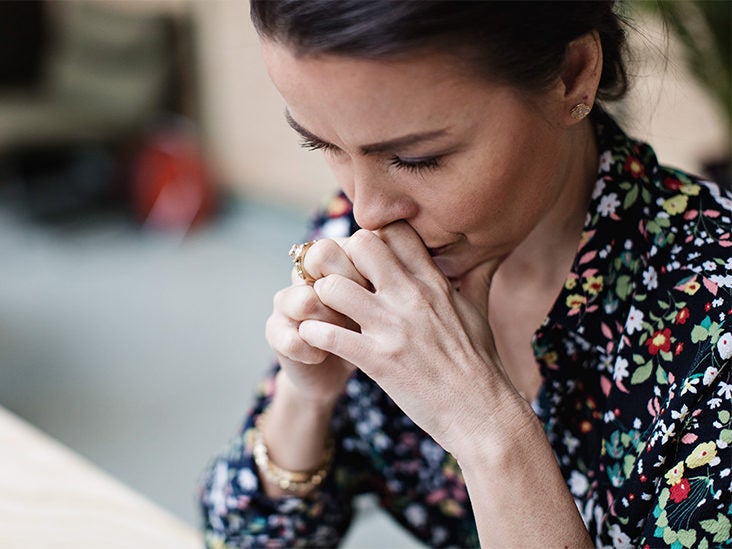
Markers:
point(294, 435)
point(300, 482)
point(298, 401)
point(502, 438)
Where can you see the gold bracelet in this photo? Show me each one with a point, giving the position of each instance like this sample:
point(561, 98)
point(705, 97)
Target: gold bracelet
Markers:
point(296, 482)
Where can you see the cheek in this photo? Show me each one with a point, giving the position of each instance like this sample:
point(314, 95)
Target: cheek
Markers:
point(506, 203)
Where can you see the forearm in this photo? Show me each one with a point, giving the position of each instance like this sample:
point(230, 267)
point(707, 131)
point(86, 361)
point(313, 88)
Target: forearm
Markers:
point(519, 496)
point(295, 432)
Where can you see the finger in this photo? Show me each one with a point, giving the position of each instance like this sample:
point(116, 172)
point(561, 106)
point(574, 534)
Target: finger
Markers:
point(300, 302)
point(284, 339)
point(475, 285)
point(374, 259)
point(408, 248)
point(327, 257)
point(348, 298)
point(350, 346)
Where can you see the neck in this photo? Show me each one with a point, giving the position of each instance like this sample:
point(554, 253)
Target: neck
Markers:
point(545, 257)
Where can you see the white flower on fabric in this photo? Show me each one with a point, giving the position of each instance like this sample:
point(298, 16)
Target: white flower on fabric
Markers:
point(728, 265)
point(717, 302)
point(247, 480)
point(725, 390)
point(635, 320)
point(725, 281)
point(578, 484)
point(621, 540)
point(439, 535)
point(680, 414)
point(216, 496)
point(415, 515)
point(714, 403)
point(608, 204)
point(606, 160)
point(599, 189)
point(688, 386)
point(432, 451)
point(669, 433)
point(650, 278)
point(621, 369)
point(710, 375)
point(572, 443)
point(724, 345)
point(726, 203)
point(709, 265)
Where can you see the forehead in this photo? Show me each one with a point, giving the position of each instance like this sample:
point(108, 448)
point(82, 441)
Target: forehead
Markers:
point(422, 85)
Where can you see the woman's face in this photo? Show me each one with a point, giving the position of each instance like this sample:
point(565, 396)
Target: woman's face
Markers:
point(472, 167)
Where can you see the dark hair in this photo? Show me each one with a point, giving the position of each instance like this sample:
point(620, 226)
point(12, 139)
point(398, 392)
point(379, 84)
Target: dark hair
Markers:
point(520, 43)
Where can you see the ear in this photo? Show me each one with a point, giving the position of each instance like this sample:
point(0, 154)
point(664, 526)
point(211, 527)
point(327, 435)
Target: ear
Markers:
point(581, 73)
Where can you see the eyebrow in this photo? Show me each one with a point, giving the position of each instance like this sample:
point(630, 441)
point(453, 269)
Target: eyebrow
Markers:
point(373, 148)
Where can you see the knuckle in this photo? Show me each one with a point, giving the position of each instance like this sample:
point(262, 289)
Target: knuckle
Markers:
point(330, 338)
point(359, 240)
point(309, 306)
point(323, 251)
point(290, 343)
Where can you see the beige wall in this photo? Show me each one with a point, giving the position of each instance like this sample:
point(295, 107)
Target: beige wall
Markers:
point(254, 149)
point(258, 154)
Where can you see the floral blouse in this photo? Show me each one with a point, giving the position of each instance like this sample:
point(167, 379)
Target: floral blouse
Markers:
point(636, 398)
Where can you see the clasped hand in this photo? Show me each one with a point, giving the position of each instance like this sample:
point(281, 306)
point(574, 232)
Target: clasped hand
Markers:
point(380, 304)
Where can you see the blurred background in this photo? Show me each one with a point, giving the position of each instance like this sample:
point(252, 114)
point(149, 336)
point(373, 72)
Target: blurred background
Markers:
point(150, 190)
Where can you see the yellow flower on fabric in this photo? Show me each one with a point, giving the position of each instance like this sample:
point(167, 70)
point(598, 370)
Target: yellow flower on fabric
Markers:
point(570, 283)
point(676, 204)
point(691, 189)
point(451, 508)
point(674, 476)
point(702, 454)
point(575, 301)
point(692, 287)
point(593, 284)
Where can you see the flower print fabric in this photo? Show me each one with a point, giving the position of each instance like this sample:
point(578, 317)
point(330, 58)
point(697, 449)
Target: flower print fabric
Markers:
point(636, 401)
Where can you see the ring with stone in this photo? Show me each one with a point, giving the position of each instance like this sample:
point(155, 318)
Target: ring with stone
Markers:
point(297, 253)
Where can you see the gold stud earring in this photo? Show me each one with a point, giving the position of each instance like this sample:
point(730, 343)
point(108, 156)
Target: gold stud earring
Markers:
point(580, 110)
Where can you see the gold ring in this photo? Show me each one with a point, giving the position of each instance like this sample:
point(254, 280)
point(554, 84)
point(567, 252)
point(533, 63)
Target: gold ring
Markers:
point(297, 253)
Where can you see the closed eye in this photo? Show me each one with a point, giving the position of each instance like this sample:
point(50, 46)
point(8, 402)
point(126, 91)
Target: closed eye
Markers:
point(427, 163)
point(317, 145)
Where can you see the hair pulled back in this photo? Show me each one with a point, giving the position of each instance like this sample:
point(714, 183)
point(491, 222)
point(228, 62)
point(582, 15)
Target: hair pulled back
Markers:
point(519, 43)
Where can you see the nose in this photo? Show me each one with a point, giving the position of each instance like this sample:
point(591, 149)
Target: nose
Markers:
point(378, 201)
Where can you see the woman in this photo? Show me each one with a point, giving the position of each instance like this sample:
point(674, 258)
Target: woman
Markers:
point(522, 336)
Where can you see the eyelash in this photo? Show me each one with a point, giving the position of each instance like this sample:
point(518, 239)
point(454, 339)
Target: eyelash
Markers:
point(417, 165)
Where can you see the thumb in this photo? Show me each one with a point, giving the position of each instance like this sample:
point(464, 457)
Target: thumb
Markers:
point(475, 285)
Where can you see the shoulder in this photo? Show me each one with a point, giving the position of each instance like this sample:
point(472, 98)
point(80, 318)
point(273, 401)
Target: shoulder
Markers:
point(691, 225)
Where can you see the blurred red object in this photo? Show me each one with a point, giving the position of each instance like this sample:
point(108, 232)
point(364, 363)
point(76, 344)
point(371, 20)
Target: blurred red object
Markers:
point(170, 182)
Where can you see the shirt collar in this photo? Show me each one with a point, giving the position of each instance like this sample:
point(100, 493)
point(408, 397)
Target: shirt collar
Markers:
point(599, 286)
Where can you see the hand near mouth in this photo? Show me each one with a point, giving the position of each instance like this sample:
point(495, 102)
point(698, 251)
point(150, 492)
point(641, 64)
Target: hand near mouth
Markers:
point(421, 340)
